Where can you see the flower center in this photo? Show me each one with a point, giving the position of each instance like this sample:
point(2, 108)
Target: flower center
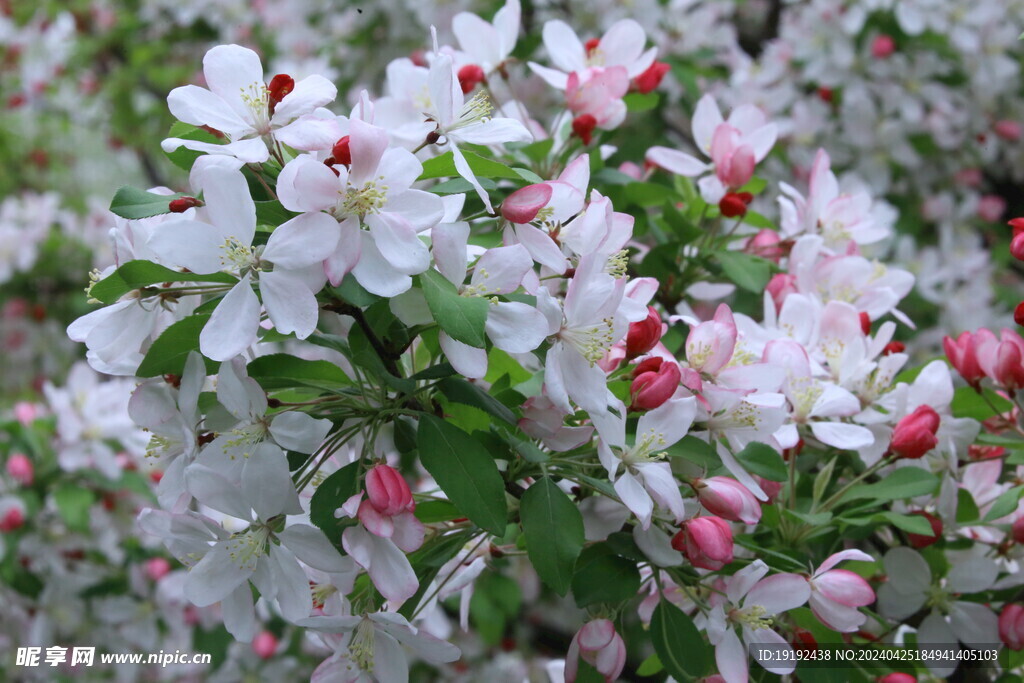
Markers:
point(752, 617)
point(247, 438)
point(362, 201)
point(360, 649)
point(592, 341)
point(246, 548)
point(477, 110)
point(645, 449)
point(237, 256)
point(257, 98)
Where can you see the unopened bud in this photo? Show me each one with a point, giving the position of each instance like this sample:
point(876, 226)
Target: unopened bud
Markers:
point(914, 435)
point(583, 127)
point(470, 76)
point(342, 152)
point(183, 204)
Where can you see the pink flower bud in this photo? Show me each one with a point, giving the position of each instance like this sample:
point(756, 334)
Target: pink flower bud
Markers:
point(1007, 130)
point(728, 499)
point(387, 490)
point(922, 540)
point(157, 568)
point(732, 205)
point(651, 78)
point(1008, 370)
point(651, 389)
point(523, 205)
point(644, 334)
point(710, 345)
point(766, 245)
point(1018, 314)
point(632, 170)
point(12, 519)
point(1017, 224)
point(897, 677)
point(914, 435)
point(652, 364)
point(20, 469)
point(991, 207)
point(1011, 626)
point(770, 488)
point(780, 286)
point(962, 354)
point(264, 644)
point(883, 46)
point(706, 542)
point(470, 76)
point(598, 645)
point(183, 204)
point(1017, 247)
point(1017, 530)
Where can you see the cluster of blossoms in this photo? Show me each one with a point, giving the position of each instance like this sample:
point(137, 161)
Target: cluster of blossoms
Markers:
point(386, 380)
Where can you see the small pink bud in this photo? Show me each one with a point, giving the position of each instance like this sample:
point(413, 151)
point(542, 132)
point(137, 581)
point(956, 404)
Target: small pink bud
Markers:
point(20, 469)
point(643, 335)
point(591, 45)
point(897, 677)
point(770, 488)
point(962, 355)
point(1008, 370)
point(914, 435)
point(865, 323)
point(706, 542)
point(991, 208)
point(728, 499)
point(651, 78)
point(12, 519)
point(1007, 130)
point(1011, 626)
point(264, 644)
point(632, 170)
point(1017, 247)
point(766, 245)
point(780, 286)
point(469, 77)
point(1018, 314)
point(1017, 530)
point(651, 389)
point(883, 46)
point(893, 347)
point(157, 568)
point(388, 492)
point(523, 205)
point(1017, 224)
point(732, 206)
point(598, 645)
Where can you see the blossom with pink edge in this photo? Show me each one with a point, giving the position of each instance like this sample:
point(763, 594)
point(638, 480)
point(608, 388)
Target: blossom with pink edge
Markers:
point(728, 499)
point(599, 645)
point(837, 593)
point(622, 45)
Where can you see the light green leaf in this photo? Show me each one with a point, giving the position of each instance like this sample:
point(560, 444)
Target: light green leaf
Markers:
point(463, 318)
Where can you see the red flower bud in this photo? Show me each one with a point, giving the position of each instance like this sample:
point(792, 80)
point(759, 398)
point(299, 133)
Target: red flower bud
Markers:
point(962, 354)
point(651, 389)
point(1011, 626)
point(706, 542)
point(914, 435)
point(1017, 224)
point(865, 323)
point(651, 78)
point(1017, 247)
point(1017, 530)
point(644, 334)
point(469, 76)
point(1018, 314)
point(894, 347)
point(897, 677)
point(20, 469)
point(12, 519)
point(583, 127)
point(591, 45)
point(732, 206)
point(342, 152)
point(523, 205)
point(280, 86)
point(826, 94)
point(883, 46)
point(922, 540)
point(652, 364)
point(183, 204)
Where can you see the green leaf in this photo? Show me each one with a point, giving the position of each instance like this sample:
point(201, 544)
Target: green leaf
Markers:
point(553, 527)
point(133, 203)
point(183, 157)
point(444, 167)
point(1004, 504)
point(966, 508)
point(650, 666)
point(638, 102)
point(351, 291)
point(330, 494)
point(432, 511)
point(745, 271)
point(968, 403)
point(696, 451)
point(284, 371)
point(272, 213)
point(459, 390)
point(603, 576)
point(528, 175)
point(912, 524)
point(680, 225)
point(463, 318)
point(137, 274)
point(167, 355)
point(464, 471)
point(73, 504)
point(538, 151)
point(764, 461)
point(680, 646)
point(906, 482)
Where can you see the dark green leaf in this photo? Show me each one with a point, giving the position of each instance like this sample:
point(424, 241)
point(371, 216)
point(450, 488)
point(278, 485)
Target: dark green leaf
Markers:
point(553, 527)
point(443, 166)
point(1004, 504)
point(680, 646)
point(283, 371)
point(906, 482)
point(167, 355)
point(603, 576)
point(463, 318)
point(968, 403)
point(136, 274)
point(330, 495)
point(764, 461)
point(459, 390)
point(272, 213)
point(465, 472)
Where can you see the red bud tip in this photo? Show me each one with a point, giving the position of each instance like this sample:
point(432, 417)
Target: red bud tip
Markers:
point(469, 76)
point(342, 152)
point(183, 204)
point(1018, 314)
point(883, 46)
point(280, 86)
point(583, 127)
point(651, 78)
point(1017, 224)
point(591, 45)
point(893, 347)
point(865, 323)
point(1017, 247)
point(733, 206)
point(826, 94)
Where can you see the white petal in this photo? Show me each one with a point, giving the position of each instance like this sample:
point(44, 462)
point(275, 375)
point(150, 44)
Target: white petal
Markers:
point(300, 432)
point(214, 577)
point(841, 435)
point(302, 241)
point(232, 327)
point(467, 360)
point(290, 304)
point(515, 327)
point(267, 485)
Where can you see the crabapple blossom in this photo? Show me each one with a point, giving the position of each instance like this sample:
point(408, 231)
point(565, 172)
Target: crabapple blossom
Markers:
point(837, 593)
point(706, 542)
point(598, 644)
